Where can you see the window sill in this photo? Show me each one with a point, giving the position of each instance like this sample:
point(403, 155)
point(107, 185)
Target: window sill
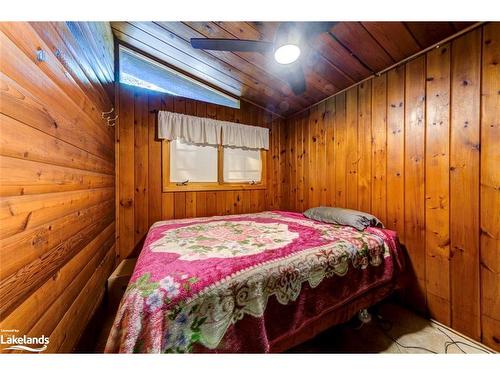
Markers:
point(212, 187)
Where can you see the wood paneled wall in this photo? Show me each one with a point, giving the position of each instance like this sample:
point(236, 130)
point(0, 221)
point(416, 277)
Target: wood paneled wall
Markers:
point(419, 147)
point(141, 200)
point(56, 181)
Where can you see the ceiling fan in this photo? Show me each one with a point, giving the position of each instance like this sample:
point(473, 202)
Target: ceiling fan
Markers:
point(289, 42)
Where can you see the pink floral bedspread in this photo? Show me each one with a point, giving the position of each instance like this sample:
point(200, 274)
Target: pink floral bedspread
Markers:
point(232, 283)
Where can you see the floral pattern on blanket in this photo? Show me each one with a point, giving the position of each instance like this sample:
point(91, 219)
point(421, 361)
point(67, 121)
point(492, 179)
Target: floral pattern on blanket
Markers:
point(195, 278)
point(223, 239)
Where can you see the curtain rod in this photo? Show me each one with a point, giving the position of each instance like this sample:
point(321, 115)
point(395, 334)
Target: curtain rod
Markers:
point(405, 60)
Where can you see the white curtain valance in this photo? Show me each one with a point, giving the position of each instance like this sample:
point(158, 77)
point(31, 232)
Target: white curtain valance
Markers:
point(238, 135)
point(200, 130)
point(191, 129)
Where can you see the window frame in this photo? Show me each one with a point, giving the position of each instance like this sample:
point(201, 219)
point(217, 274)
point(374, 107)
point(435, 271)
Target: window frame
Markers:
point(148, 58)
point(220, 185)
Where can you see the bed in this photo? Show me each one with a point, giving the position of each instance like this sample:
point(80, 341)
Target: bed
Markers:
point(252, 283)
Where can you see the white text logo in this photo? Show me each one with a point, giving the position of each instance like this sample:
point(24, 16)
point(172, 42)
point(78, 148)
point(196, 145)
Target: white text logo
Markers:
point(23, 343)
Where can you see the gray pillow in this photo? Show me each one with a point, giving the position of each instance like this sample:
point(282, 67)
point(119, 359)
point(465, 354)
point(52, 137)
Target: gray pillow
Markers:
point(343, 216)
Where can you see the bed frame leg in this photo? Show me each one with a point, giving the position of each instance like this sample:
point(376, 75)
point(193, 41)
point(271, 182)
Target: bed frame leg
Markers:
point(364, 316)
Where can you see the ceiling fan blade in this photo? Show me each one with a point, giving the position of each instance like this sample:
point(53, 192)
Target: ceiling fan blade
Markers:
point(296, 79)
point(298, 84)
point(236, 45)
point(313, 28)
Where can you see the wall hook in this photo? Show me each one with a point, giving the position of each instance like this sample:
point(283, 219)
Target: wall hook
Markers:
point(106, 114)
point(112, 120)
point(41, 55)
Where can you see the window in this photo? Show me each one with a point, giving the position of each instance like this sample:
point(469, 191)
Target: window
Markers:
point(139, 70)
point(192, 163)
point(189, 167)
point(241, 165)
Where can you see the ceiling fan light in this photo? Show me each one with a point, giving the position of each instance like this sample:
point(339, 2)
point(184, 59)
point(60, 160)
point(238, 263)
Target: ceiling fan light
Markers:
point(287, 54)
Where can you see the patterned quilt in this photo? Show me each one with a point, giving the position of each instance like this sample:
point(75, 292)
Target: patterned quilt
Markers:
point(208, 284)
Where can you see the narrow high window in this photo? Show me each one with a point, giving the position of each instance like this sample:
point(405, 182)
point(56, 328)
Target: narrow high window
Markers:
point(139, 70)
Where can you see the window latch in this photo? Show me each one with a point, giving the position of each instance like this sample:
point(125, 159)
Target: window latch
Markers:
point(183, 183)
point(253, 182)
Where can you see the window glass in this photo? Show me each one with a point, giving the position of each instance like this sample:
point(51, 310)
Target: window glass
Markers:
point(242, 165)
point(193, 163)
point(141, 71)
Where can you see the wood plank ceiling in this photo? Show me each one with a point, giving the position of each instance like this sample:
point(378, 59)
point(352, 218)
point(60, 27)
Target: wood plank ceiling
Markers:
point(332, 61)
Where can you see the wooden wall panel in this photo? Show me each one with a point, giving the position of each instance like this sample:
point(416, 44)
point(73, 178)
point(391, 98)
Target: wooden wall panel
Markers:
point(437, 184)
point(395, 149)
point(464, 183)
point(153, 188)
point(302, 162)
point(340, 151)
point(141, 162)
point(364, 143)
point(413, 190)
point(313, 190)
point(426, 141)
point(379, 147)
point(352, 158)
point(57, 200)
point(490, 186)
point(125, 140)
point(288, 202)
point(330, 151)
point(142, 201)
point(321, 152)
